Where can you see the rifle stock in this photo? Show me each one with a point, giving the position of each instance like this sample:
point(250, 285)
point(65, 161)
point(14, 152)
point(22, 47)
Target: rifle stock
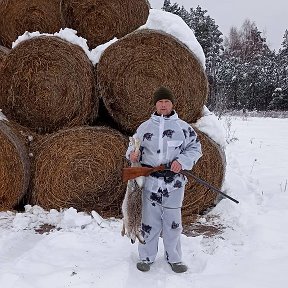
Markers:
point(129, 173)
point(134, 172)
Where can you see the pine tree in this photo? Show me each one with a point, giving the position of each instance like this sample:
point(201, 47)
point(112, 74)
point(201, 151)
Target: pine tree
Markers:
point(209, 37)
point(283, 62)
point(168, 7)
point(285, 40)
point(279, 101)
point(206, 31)
point(253, 65)
point(175, 9)
point(280, 95)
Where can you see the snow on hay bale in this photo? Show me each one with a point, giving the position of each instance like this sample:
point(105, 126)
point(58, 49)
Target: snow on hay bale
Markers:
point(131, 69)
point(80, 167)
point(211, 168)
point(47, 84)
point(15, 164)
point(99, 21)
point(18, 16)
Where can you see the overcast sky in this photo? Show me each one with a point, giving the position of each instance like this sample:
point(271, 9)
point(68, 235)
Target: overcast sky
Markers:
point(270, 16)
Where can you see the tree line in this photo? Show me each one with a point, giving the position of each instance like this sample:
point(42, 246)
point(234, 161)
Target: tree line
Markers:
point(243, 72)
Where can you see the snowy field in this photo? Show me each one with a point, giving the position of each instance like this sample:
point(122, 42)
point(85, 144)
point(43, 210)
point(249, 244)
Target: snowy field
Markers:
point(84, 251)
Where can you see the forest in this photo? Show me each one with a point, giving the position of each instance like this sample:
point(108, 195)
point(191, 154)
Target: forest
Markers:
point(243, 72)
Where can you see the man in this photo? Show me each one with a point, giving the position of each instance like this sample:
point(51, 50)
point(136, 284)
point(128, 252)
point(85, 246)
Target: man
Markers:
point(164, 139)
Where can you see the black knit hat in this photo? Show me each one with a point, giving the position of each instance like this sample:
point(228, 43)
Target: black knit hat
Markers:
point(163, 93)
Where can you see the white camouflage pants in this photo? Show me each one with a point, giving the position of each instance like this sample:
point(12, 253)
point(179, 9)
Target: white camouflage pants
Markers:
point(156, 219)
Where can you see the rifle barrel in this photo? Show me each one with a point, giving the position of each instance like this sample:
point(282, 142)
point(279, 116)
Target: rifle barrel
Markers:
point(187, 173)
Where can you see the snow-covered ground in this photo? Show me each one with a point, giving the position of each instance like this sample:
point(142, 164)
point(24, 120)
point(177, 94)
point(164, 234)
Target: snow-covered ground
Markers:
point(87, 251)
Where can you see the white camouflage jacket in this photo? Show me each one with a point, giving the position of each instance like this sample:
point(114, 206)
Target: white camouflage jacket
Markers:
point(164, 139)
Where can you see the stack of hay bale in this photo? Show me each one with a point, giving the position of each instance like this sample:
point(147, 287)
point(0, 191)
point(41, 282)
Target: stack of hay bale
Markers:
point(50, 86)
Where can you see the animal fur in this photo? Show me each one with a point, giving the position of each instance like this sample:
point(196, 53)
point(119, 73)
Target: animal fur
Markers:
point(132, 204)
point(131, 209)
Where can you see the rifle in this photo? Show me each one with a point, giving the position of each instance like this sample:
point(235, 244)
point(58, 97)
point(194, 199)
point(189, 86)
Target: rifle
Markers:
point(129, 173)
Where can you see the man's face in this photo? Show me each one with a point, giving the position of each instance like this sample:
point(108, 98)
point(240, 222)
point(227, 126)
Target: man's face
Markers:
point(164, 107)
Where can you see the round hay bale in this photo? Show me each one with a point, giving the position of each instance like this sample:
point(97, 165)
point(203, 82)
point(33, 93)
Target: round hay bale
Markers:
point(99, 21)
point(80, 167)
point(47, 84)
point(15, 165)
point(211, 168)
point(18, 16)
point(131, 69)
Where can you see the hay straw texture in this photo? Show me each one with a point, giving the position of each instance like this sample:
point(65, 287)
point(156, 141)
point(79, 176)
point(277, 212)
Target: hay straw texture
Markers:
point(211, 168)
point(14, 167)
point(3, 53)
point(18, 16)
point(99, 21)
point(131, 69)
point(47, 84)
point(80, 167)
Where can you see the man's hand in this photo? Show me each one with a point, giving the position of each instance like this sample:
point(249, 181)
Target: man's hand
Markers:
point(134, 156)
point(176, 167)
